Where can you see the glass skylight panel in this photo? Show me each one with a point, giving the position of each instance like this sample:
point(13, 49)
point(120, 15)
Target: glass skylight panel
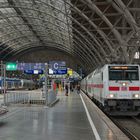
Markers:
point(2, 21)
point(21, 27)
point(7, 10)
point(45, 1)
point(13, 19)
point(3, 10)
point(45, 18)
point(3, 0)
point(27, 1)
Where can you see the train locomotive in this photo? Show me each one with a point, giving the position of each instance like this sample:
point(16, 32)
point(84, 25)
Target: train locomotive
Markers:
point(115, 88)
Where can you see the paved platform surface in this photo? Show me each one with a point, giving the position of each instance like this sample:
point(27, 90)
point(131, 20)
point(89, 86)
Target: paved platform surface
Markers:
point(106, 129)
point(67, 120)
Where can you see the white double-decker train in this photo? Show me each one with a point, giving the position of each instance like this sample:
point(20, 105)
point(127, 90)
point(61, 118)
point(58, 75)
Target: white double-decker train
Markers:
point(116, 88)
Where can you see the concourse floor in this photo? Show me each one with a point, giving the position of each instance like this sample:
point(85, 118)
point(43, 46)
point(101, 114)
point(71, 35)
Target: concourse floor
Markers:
point(67, 120)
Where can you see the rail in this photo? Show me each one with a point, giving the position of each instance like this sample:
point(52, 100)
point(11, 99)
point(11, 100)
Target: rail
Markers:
point(131, 134)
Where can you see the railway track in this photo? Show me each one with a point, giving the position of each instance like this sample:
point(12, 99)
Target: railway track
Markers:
point(136, 119)
point(129, 125)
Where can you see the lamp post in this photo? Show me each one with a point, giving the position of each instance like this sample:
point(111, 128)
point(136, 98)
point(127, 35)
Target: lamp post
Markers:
point(4, 80)
point(46, 83)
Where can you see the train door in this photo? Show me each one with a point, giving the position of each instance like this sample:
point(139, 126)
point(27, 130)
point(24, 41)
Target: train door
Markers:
point(105, 83)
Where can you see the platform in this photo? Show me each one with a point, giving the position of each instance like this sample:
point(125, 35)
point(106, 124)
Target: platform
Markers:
point(67, 120)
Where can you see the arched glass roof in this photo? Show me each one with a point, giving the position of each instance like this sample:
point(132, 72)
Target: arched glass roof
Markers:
point(94, 31)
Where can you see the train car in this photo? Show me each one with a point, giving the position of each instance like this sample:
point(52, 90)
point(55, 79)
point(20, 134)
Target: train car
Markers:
point(27, 84)
point(12, 83)
point(16, 84)
point(115, 88)
point(1, 90)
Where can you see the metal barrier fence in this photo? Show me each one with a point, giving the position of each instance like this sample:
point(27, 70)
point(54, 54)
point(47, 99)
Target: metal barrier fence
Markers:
point(17, 97)
point(52, 97)
point(22, 97)
point(28, 97)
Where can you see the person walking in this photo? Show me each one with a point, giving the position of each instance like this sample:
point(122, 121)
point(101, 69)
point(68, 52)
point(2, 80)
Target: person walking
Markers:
point(71, 87)
point(78, 89)
point(67, 89)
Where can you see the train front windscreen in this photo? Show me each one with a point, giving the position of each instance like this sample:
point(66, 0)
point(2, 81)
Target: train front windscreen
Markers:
point(124, 73)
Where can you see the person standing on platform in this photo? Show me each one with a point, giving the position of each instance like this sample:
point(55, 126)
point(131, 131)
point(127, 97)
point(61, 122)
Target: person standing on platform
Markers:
point(67, 89)
point(78, 89)
point(71, 87)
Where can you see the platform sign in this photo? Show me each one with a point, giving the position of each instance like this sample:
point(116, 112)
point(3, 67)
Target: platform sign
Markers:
point(28, 71)
point(70, 72)
point(57, 67)
point(57, 72)
point(11, 66)
point(37, 71)
point(30, 66)
point(33, 71)
point(50, 71)
point(60, 72)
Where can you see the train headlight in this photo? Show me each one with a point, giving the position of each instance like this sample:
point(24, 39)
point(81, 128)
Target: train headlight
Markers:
point(136, 95)
point(124, 84)
point(111, 95)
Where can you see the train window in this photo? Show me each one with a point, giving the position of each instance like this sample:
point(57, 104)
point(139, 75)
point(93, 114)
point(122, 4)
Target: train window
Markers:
point(89, 89)
point(123, 74)
point(115, 75)
point(102, 75)
point(131, 75)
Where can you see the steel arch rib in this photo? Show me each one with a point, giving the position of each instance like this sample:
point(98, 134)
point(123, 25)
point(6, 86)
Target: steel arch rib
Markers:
point(128, 16)
point(121, 42)
point(24, 52)
point(102, 34)
point(26, 47)
point(93, 47)
point(31, 43)
point(92, 36)
point(64, 49)
point(79, 32)
point(84, 38)
point(98, 30)
point(94, 8)
point(105, 39)
point(58, 36)
point(31, 35)
point(122, 8)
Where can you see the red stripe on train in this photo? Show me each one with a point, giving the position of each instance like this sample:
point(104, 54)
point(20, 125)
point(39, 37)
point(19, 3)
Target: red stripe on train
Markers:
point(95, 85)
point(114, 88)
point(134, 88)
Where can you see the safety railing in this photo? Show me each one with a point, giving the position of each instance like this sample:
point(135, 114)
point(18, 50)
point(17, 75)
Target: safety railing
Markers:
point(16, 97)
point(28, 97)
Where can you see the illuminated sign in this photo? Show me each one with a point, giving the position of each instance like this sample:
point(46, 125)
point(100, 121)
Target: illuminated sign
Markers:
point(57, 67)
point(11, 66)
point(70, 71)
point(123, 67)
point(33, 71)
point(59, 72)
point(116, 67)
point(31, 66)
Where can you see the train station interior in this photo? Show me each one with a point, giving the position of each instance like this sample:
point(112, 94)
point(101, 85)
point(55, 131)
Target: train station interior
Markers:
point(69, 69)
